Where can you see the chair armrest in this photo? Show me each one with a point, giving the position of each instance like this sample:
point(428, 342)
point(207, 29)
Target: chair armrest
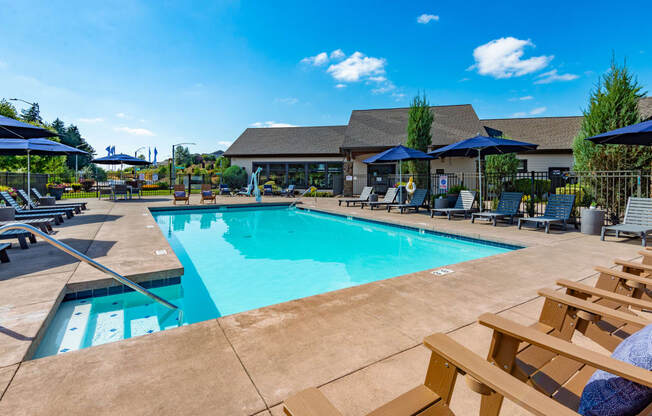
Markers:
point(496, 379)
point(623, 275)
point(309, 402)
point(605, 294)
point(593, 308)
point(566, 349)
point(635, 265)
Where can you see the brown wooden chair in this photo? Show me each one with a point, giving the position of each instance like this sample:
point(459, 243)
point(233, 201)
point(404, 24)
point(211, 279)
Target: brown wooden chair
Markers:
point(177, 194)
point(205, 189)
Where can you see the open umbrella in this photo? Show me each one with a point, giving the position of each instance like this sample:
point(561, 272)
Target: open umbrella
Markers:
point(120, 159)
point(636, 134)
point(479, 146)
point(18, 138)
point(398, 154)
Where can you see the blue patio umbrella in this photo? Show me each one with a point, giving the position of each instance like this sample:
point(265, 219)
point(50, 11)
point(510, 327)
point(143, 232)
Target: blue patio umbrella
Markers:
point(14, 129)
point(398, 154)
point(120, 159)
point(635, 134)
point(479, 146)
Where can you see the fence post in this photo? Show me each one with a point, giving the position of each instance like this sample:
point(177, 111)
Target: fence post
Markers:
point(638, 182)
point(531, 203)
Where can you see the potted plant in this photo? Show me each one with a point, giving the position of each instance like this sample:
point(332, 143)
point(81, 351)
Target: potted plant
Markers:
point(440, 201)
point(56, 190)
point(453, 193)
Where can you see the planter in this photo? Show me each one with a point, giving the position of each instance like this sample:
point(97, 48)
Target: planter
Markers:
point(373, 198)
point(592, 221)
point(57, 193)
point(46, 201)
point(442, 203)
point(452, 199)
point(7, 214)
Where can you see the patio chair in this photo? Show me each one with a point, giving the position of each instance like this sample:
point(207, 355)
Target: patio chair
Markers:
point(417, 200)
point(268, 190)
point(82, 205)
point(246, 191)
point(637, 221)
point(390, 197)
point(104, 190)
point(224, 189)
point(507, 208)
point(180, 194)
point(207, 194)
point(364, 196)
point(4, 257)
point(120, 189)
point(44, 224)
point(21, 235)
point(289, 192)
point(558, 211)
point(463, 205)
point(44, 213)
point(32, 206)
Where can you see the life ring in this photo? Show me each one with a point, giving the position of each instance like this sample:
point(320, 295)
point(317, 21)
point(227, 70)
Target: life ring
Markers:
point(411, 186)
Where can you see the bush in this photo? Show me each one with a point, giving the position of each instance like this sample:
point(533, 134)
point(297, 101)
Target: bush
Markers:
point(456, 189)
point(582, 194)
point(320, 194)
point(87, 184)
point(234, 177)
point(10, 190)
point(525, 185)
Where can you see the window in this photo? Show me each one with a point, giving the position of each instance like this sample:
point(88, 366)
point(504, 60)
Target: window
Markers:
point(277, 173)
point(317, 175)
point(301, 174)
point(334, 170)
point(297, 174)
point(522, 165)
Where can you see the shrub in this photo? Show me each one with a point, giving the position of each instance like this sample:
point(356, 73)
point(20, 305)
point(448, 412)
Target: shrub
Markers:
point(525, 185)
point(456, 189)
point(234, 177)
point(582, 194)
point(87, 184)
point(320, 194)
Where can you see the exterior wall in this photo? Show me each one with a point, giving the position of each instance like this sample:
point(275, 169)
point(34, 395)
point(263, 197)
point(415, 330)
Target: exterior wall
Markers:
point(360, 172)
point(247, 162)
point(541, 162)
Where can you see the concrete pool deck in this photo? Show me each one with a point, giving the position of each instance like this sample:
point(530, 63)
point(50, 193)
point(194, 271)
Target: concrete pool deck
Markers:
point(361, 346)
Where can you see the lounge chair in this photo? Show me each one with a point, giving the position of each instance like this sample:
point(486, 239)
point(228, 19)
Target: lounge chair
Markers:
point(33, 206)
point(21, 235)
point(44, 213)
point(558, 210)
point(637, 221)
point(180, 194)
point(268, 190)
point(82, 205)
point(4, 257)
point(364, 197)
point(44, 224)
point(390, 197)
point(463, 205)
point(224, 189)
point(417, 200)
point(246, 191)
point(507, 207)
point(207, 194)
point(289, 192)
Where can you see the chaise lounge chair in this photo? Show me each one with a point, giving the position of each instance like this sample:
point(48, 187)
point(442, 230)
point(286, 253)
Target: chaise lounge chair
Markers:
point(224, 189)
point(637, 221)
point(37, 213)
point(558, 211)
point(180, 194)
point(417, 200)
point(507, 207)
point(4, 257)
point(463, 205)
point(289, 192)
point(21, 235)
point(268, 190)
point(82, 205)
point(44, 224)
point(390, 197)
point(207, 194)
point(364, 197)
point(32, 206)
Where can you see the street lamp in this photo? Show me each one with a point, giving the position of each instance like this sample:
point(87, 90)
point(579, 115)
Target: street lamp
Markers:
point(138, 150)
point(20, 99)
point(173, 174)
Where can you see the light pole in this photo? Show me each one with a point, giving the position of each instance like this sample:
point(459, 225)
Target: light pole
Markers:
point(138, 150)
point(173, 174)
point(20, 99)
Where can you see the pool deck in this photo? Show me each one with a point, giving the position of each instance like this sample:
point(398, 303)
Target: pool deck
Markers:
point(361, 346)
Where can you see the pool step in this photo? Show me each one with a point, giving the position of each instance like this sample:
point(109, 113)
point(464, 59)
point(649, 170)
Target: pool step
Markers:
point(109, 327)
point(75, 330)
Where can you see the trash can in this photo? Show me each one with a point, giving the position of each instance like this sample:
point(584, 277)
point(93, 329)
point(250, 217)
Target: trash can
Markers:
point(592, 221)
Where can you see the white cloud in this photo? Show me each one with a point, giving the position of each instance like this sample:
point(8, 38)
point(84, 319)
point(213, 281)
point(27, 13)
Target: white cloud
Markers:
point(90, 120)
point(337, 54)
point(553, 76)
point(317, 60)
point(502, 58)
point(357, 67)
point(224, 143)
point(524, 98)
point(533, 112)
point(464, 79)
point(384, 88)
point(288, 100)
point(424, 19)
point(340, 86)
point(135, 131)
point(271, 124)
point(122, 115)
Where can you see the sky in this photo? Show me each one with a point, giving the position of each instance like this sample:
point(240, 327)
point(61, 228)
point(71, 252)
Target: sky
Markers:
point(141, 73)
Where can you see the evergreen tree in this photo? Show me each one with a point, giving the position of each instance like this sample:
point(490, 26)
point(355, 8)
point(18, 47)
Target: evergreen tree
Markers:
point(420, 120)
point(612, 104)
point(32, 114)
point(7, 109)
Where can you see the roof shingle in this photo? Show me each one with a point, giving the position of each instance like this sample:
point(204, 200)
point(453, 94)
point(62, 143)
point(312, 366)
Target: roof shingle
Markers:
point(550, 133)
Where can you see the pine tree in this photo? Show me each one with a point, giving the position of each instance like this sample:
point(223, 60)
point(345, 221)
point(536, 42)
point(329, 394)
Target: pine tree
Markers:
point(612, 104)
point(420, 120)
point(32, 114)
point(7, 109)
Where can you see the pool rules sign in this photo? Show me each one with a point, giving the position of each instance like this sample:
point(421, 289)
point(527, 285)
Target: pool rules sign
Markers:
point(443, 183)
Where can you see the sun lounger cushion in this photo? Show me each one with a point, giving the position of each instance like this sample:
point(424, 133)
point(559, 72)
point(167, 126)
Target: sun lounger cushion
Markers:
point(609, 395)
point(207, 193)
point(179, 194)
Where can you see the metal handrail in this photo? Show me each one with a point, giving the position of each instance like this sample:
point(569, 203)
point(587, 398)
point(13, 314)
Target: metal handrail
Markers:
point(310, 189)
point(84, 258)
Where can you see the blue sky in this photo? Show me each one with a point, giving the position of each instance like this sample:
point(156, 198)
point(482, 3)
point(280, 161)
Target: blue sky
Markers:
point(133, 73)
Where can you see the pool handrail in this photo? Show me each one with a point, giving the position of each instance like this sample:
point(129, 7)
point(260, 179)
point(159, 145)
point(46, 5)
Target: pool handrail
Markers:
point(310, 189)
point(84, 258)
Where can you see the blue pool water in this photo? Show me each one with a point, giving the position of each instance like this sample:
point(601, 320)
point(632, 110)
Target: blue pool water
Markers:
point(246, 258)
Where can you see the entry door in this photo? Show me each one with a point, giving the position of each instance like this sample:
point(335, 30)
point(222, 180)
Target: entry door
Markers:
point(381, 177)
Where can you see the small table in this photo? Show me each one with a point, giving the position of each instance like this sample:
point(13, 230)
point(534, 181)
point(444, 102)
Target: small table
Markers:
point(47, 200)
point(592, 221)
point(7, 214)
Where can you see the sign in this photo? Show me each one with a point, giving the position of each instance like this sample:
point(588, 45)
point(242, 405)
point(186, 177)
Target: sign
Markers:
point(443, 182)
point(349, 177)
point(155, 177)
point(379, 179)
point(141, 176)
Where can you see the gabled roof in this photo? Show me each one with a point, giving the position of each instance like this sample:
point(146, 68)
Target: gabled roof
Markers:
point(323, 140)
point(388, 127)
point(645, 108)
point(550, 133)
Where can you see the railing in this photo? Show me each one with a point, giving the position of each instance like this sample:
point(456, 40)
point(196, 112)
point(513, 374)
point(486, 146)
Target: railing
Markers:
point(296, 201)
point(82, 257)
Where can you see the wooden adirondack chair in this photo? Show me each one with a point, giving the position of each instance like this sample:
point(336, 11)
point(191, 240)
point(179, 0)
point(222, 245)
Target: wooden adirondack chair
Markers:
point(180, 194)
point(207, 194)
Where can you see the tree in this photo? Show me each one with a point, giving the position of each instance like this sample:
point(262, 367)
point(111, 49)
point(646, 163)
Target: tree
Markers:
point(501, 165)
point(234, 177)
point(7, 109)
point(182, 156)
point(612, 104)
point(32, 114)
point(420, 120)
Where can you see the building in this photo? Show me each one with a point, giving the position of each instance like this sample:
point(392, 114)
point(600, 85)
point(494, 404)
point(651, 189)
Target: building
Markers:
point(331, 157)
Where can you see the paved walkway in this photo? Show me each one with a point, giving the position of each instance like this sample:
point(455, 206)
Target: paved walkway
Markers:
point(360, 345)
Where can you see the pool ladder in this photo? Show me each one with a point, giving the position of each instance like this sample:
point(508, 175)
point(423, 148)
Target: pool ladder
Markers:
point(312, 188)
point(84, 258)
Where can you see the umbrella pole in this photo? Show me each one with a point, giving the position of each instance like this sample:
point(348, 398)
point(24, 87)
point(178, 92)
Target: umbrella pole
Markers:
point(29, 190)
point(480, 177)
point(400, 181)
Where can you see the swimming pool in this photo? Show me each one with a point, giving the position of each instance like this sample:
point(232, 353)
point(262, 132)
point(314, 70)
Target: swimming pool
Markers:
point(238, 259)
